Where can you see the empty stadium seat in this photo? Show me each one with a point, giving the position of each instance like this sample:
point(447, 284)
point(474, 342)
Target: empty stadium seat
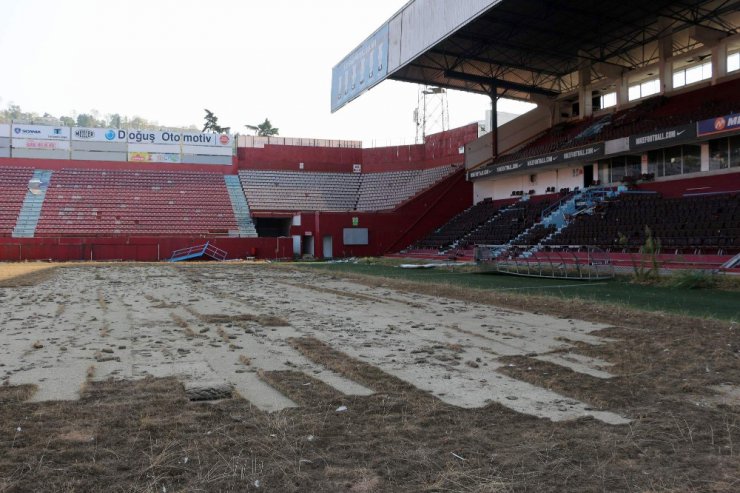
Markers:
point(322, 191)
point(705, 222)
point(103, 202)
point(13, 188)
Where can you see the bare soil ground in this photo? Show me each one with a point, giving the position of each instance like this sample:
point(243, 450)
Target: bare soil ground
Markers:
point(353, 385)
point(26, 274)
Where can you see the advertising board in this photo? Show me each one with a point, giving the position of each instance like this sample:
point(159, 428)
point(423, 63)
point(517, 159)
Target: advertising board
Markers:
point(88, 134)
point(153, 157)
point(40, 132)
point(49, 145)
point(362, 69)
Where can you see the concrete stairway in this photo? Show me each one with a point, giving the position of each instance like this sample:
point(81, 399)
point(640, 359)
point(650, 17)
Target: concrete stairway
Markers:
point(240, 206)
point(579, 202)
point(28, 218)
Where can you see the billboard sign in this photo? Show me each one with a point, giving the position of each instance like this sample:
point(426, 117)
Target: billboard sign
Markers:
point(98, 134)
point(362, 69)
point(577, 154)
point(168, 137)
point(719, 125)
point(40, 132)
point(211, 140)
point(48, 145)
point(154, 157)
point(662, 138)
point(160, 146)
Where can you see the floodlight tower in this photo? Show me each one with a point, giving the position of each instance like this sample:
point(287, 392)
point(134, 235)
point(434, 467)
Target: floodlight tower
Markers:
point(432, 113)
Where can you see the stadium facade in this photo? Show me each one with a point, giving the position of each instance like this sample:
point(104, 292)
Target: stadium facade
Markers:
point(629, 96)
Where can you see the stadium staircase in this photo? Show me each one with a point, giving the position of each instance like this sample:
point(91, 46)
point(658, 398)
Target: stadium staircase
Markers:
point(557, 216)
point(560, 214)
point(240, 206)
point(28, 217)
point(198, 251)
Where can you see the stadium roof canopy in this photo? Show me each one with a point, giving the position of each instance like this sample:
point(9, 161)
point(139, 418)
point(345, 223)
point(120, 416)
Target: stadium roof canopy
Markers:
point(528, 47)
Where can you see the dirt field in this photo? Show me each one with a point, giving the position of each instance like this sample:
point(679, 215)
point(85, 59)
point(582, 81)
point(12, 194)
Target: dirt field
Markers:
point(351, 385)
point(23, 274)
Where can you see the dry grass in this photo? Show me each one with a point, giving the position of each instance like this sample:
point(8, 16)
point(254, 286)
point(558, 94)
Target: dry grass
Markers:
point(572, 308)
point(263, 320)
point(146, 435)
point(24, 274)
point(223, 334)
point(16, 393)
point(184, 325)
point(61, 308)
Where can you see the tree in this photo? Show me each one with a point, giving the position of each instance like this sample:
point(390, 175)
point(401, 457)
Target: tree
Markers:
point(264, 129)
point(14, 112)
point(211, 124)
point(85, 120)
point(115, 120)
point(67, 121)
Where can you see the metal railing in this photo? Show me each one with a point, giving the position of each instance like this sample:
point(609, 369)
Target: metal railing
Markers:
point(198, 251)
point(592, 265)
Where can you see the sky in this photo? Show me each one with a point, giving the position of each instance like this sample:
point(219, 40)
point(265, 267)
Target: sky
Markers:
point(245, 60)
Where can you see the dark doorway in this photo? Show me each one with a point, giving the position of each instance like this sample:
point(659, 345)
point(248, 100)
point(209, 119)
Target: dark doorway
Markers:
point(272, 226)
point(588, 175)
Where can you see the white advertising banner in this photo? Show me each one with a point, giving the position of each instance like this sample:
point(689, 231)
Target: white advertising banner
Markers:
point(167, 137)
point(198, 139)
point(162, 146)
point(98, 134)
point(208, 151)
point(40, 132)
point(49, 145)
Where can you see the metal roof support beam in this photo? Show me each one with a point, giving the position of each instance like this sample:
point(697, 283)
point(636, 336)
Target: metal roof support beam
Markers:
point(498, 83)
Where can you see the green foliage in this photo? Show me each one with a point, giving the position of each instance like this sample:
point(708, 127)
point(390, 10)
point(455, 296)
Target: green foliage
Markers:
point(115, 120)
point(692, 279)
point(88, 120)
point(93, 118)
point(717, 303)
point(648, 268)
point(264, 129)
point(211, 124)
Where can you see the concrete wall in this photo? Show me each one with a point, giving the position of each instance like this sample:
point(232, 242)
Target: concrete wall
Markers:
point(510, 136)
point(78, 145)
point(391, 231)
point(99, 156)
point(202, 159)
point(39, 154)
point(142, 249)
point(111, 165)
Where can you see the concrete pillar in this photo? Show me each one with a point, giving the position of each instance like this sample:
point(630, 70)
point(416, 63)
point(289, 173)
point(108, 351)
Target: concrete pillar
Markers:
point(719, 62)
point(665, 65)
point(705, 156)
point(585, 101)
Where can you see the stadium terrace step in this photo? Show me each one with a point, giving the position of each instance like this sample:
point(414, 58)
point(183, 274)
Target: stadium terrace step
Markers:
point(556, 217)
point(240, 206)
point(28, 217)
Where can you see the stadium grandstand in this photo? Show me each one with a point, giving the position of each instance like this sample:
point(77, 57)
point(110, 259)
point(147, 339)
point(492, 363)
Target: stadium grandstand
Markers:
point(636, 132)
point(102, 194)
